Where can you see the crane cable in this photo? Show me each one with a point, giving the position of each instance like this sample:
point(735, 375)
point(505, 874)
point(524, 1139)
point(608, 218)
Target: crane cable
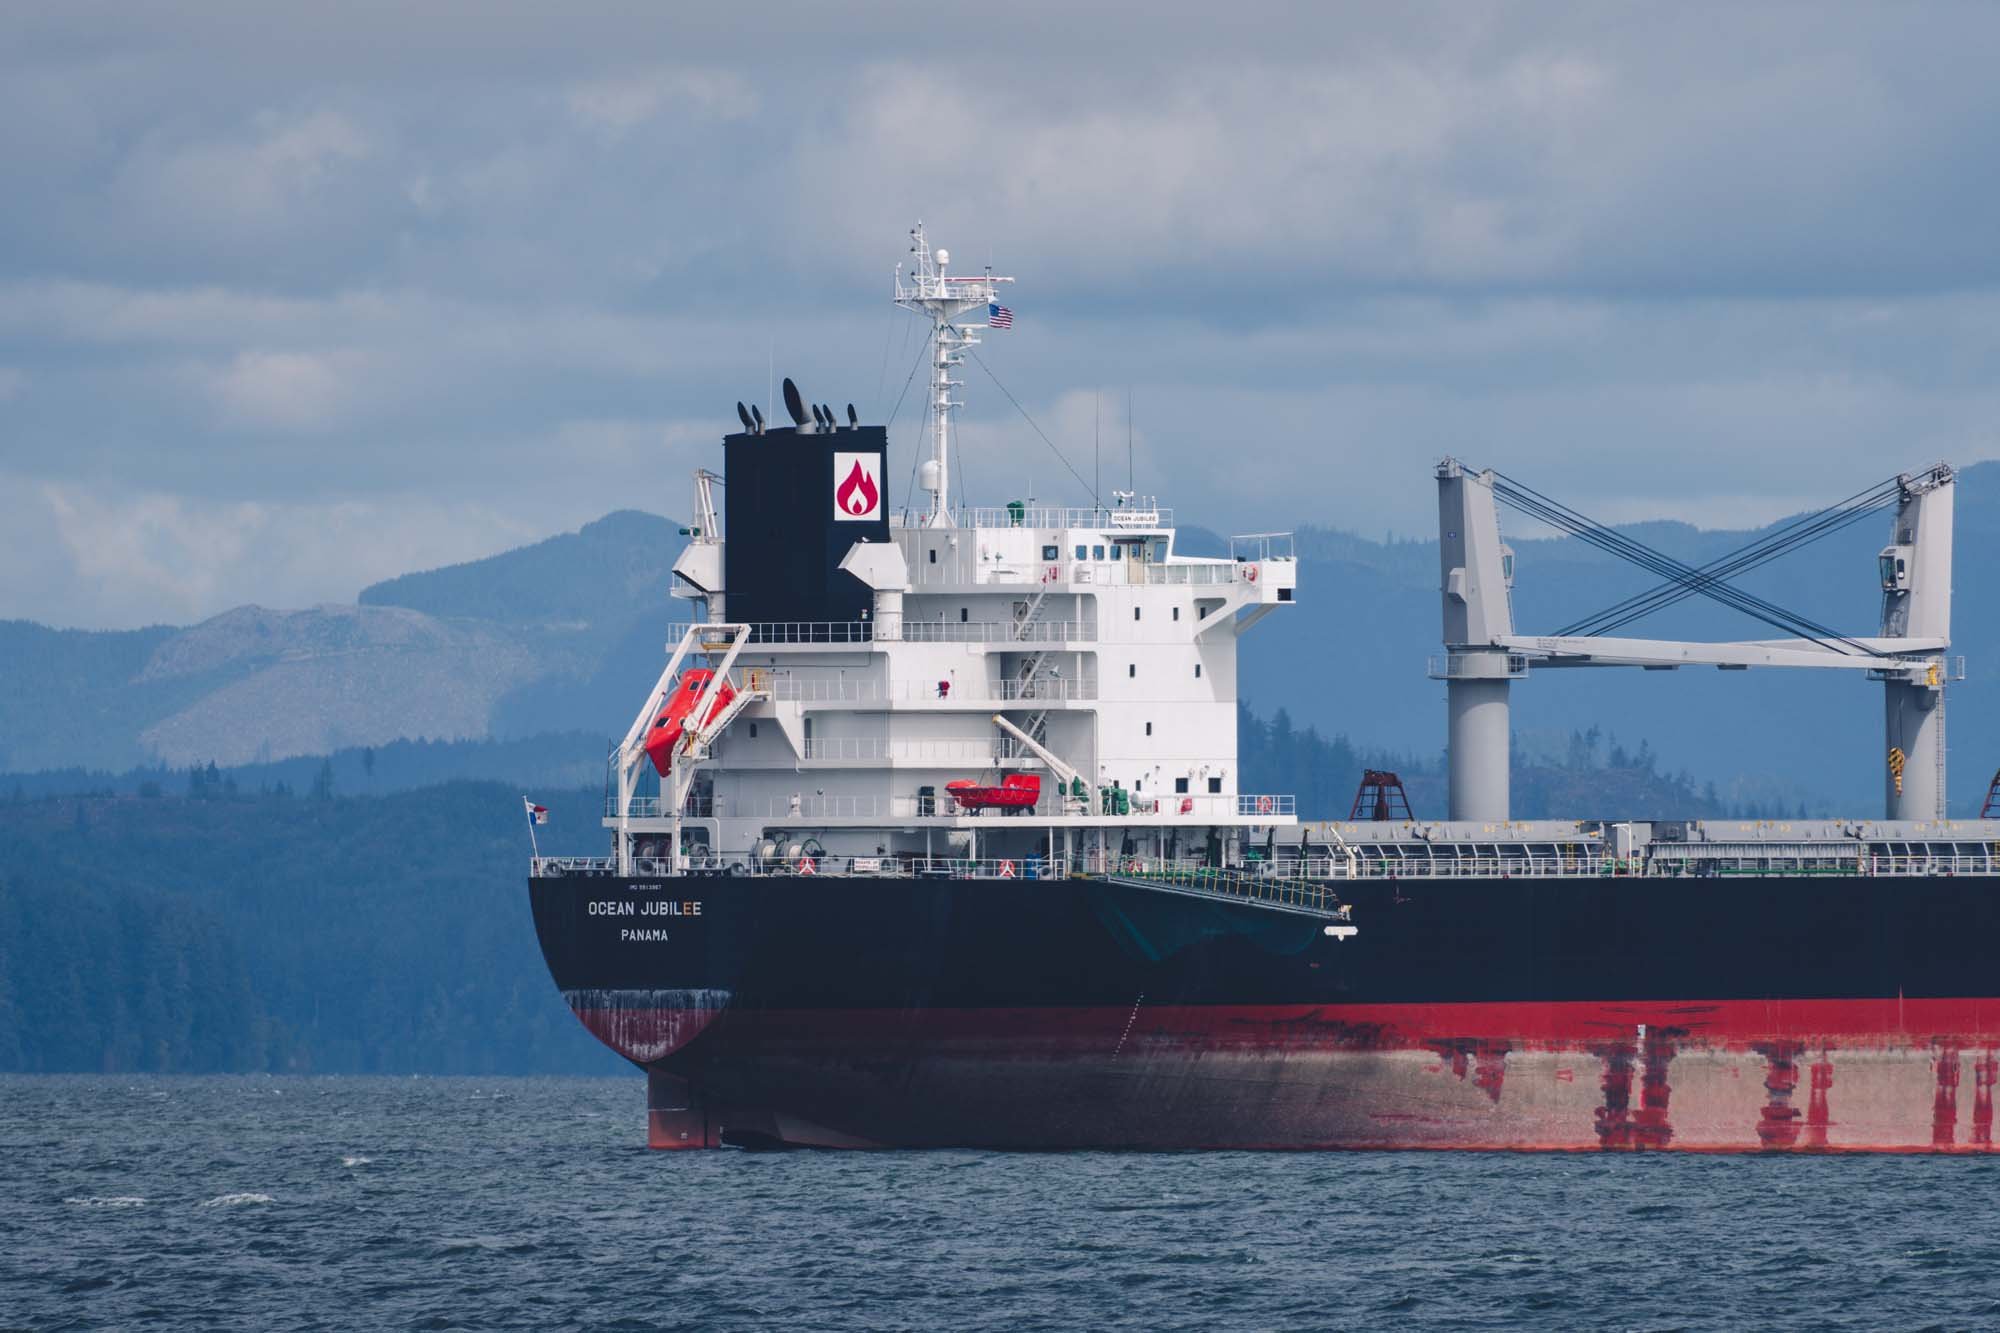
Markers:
point(1800, 532)
point(1563, 518)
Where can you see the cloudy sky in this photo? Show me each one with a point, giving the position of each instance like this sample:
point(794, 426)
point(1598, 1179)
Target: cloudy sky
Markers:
point(294, 299)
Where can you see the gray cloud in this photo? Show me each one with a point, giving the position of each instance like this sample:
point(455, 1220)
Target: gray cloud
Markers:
point(287, 306)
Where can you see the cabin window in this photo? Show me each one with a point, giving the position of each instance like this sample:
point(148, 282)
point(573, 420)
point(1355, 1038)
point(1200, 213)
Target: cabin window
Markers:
point(1160, 550)
point(1139, 785)
point(1177, 613)
point(1097, 553)
point(1132, 670)
point(1214, 785)
point(964, 614)
point(1197, 671)
point(1135, 613)
point(933, 555)
point(1082, 551)
point(1180, 786)
point(753, 731)
point(1149, 728)
point(1052, 553)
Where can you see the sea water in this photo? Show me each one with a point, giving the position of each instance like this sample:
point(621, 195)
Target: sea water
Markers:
point(334, 1203)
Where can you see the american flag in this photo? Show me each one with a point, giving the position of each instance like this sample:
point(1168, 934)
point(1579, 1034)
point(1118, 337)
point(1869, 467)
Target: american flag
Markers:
point(999, 316)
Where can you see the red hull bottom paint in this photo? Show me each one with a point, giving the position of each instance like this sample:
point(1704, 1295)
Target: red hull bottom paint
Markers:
point(1732, 1076)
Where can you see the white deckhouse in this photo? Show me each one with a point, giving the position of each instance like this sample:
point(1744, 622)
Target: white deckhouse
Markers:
point(1068, 668)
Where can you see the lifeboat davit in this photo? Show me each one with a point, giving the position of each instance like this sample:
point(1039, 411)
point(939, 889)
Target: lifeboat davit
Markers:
point(1018, 791)
point(668, 727)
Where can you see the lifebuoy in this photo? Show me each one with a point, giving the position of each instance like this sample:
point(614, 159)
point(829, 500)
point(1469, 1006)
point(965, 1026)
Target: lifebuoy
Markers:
point(1054, 574)
point(1250, 573)
point(806, 866)
point(1006, 870)
point(1265, 805)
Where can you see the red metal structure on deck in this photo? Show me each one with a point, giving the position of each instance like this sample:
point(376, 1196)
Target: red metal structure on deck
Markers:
point(1380, 797)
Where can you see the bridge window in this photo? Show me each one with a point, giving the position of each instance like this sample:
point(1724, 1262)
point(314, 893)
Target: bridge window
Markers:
point(1052, 553)
point(1097, 553)
point(1180, 786)
point(1214, 785)
point(1082, 551)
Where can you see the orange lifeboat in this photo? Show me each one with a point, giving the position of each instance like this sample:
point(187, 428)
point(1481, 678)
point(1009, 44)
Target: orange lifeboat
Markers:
point(671, 724)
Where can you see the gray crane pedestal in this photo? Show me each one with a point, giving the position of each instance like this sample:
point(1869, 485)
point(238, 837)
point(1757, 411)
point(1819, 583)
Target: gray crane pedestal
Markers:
point(1479, 739)
point(1913, 723)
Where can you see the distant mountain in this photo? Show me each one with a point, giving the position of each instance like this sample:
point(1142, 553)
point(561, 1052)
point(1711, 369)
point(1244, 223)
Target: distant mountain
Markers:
point(497, 647)
point(594, 577)
point(563, 635)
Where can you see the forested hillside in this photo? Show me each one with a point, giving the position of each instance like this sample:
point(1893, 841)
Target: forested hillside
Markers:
point(256, 932)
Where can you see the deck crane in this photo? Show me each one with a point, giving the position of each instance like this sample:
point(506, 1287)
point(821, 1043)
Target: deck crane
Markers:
point(1484, 656)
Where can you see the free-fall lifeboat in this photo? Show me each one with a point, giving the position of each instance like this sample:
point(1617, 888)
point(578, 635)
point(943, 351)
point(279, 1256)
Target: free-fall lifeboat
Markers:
point(667, 728)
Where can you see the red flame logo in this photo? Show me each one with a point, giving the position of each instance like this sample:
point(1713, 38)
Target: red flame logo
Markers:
point(857, 495)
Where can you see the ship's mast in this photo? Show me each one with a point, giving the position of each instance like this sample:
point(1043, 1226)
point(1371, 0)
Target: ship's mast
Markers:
point(930, 291)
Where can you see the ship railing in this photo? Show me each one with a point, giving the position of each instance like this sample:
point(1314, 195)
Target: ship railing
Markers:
point(1930, 865)
point(1257, 547)
point(810, 690)
point(1172, 572)
point(1267, 803)
point(1144, 514)
point(1264, 884)
point(980, 750)
point(910, 631)
point(1449, 666)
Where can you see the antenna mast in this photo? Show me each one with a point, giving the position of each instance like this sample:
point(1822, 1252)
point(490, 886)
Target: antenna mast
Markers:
point(927, 290)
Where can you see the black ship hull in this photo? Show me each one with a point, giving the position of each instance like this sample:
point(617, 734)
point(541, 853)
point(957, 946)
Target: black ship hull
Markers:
point(1586, 1012)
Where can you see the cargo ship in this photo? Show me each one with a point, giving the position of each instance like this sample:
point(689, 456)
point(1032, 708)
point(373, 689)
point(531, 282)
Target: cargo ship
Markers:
point(932, 832)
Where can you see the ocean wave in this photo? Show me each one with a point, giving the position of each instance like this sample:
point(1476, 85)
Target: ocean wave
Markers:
point(356, 1160)
point(237, 1200)
point(110, 1201)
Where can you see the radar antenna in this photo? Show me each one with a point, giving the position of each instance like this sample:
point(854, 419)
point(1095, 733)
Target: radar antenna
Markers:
point(927, 289)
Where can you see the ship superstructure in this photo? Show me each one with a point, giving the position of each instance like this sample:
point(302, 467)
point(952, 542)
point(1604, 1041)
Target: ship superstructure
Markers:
point(1019, 683)
point(932, 832)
